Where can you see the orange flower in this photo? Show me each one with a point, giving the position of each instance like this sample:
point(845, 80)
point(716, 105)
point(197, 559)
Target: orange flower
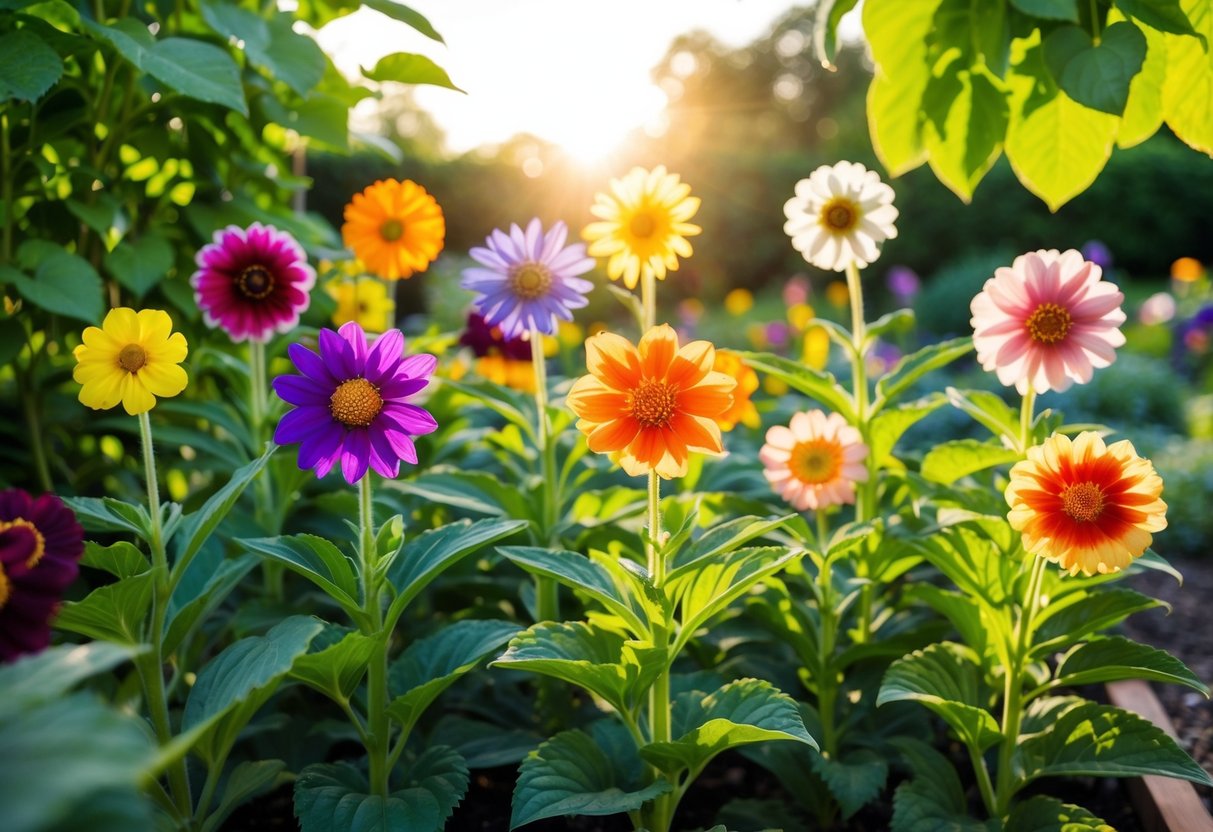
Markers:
point(1086, 506)
point(394, 228)
point(1187, 270)
point(651, 403)
point(743, 409)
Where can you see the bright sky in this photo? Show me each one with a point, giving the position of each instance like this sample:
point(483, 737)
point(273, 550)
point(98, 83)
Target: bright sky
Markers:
point(573, 72)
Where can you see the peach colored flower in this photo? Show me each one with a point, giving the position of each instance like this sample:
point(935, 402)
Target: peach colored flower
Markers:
point(815, 461)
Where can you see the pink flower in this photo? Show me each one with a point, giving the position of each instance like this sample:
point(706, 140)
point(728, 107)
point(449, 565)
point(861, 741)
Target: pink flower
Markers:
point(252, 282)
point(815, 462)
point(1047, 321)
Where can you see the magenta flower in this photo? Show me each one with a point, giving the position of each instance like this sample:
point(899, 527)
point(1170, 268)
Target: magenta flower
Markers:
point(252, 282)
point(40, 546)
point(528, 279)
point(351, 403)
point(1047, 321)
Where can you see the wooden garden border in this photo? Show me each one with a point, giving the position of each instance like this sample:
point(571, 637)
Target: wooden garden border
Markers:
point(1163, 804)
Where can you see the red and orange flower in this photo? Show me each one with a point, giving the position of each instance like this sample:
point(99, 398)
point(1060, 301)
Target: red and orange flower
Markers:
point(742, 410)
point(1087, 506)
point(651, 403)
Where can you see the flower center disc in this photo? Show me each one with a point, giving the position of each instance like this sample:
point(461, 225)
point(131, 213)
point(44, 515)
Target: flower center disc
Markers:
point(255, 282)
point(1049, 323)
point(39, 542)
point(642, 225)
point(6, 588)
point(391, 230)
point(132, 358)
point(355, 403)
point(815, 462)
point(653, 404)
point(839, 215)
point(1083, 501)
point(530, 280)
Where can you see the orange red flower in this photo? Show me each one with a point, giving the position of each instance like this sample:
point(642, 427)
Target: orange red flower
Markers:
point(742, 409)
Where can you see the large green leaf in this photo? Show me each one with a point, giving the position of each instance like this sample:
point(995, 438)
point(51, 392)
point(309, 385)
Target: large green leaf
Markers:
point(405, 14)
point(1116, 657)
point(335, 662)
point(1041, 813)
point(819, 385)
point(335, 796)
point(966, 120)
point(1096, 75)
point(473, 491)
point(1049, 9)
point(407, 68)
point(580, 573)
point(28, 67)
point(1163, 15)
point(1187, 93)
point(855, 779)
point(197, 70)
point(742, 712)
point(949, 461)
point(290, 56)
point(200, 593)
point(946, 678)
point(1086, 612)
point(571, 774)
point(140, 265)
point(65, 284)
point(113, 612)
point(933, 800)
point(987, 408)
point(121, 559)
point(891, 423)
point(316, 559)
point(916, 365)
point(431, 665)
point(246, 781)
point(52, 673)
point(1103, 741)
point(1143, 111)
point(721, 539)
point(105, 514)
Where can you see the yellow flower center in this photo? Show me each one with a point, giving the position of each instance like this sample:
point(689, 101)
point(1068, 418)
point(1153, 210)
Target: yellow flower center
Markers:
point(642, 225)
point(1049, 323)
point(816, 461)
point(255, 282)
point(839, 215)
point(1083, 501)
point(653, 403)
point(391, 230)
point(355, 403)
point(39, 540)
point(132, 358)
point(6, 588)
point(530, 280)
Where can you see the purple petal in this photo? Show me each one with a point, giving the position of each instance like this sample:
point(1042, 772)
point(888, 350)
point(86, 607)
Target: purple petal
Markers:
point(322, 450)
point(337, 355)
point(309, 363)
point(356, 338)
point(401, 444)
point(385, 355)
point(384, 460)
point(409, 418)
point(421, 365)
point(401, 388)
point(302, 391)
point(301, 423)
point(356, 454)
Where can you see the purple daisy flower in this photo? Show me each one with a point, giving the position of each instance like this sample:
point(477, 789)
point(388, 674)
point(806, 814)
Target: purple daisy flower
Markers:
point(350, 403)
point(40, 546)
point(529, 278)
point(252, 282)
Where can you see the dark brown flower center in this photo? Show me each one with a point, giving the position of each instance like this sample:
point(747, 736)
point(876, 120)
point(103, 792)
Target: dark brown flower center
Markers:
point(255, 282)
point(642, 225)
point(529, 280)
point(391, 230)
point(1049, 323)
point(1083, 501)
point(815, 461)
point(355, 403)
point(839, 214)
point(132, 358)
point(6, 588)
point(653, 403)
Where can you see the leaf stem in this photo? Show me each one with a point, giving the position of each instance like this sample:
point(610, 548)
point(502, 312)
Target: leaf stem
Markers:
point(1026, 418)
point(378, 726)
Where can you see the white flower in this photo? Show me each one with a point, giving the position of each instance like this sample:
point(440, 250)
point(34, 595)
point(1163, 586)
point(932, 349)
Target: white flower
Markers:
point(840, 215)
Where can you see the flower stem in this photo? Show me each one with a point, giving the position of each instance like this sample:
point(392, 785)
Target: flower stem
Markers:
point(827, 637)
point(378, 726)
point(659, 694)
point(1026, 417)
point(648, 299)
point(865, 497)
point(271, 571)
point(151, 663)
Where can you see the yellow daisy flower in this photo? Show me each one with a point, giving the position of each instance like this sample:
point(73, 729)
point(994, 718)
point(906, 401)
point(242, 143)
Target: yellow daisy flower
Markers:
point(395, 228)
point(132, 358)
point(644, 225)
point(366, 301)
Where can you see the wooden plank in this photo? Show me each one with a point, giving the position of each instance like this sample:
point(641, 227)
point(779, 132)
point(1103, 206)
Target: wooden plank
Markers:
point(1164, 804)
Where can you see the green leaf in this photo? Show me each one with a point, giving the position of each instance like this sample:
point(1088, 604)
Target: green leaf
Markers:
point(1055, 145)
point(429, 554)
point(472, 491)
point(1090, 612)
point(1187, 93)
point(742, 712)
point(944, 677)
point(31, 680)
point(335, 662)
point(916, 365)
point(1143, 111)
point(1163, 15)
point(335, 796)
point(401, 12)
point(122, 559)
point(113, 612)
point(819, 385)
point(949, 461)
point(966, 120)
point(988, 409)
point(570, 774)
point(128, 36)
point(721, 539)
point(934, 800)
point(105, 514)
point(252, 663)
point(140, 265)
point(196, 596)
point(196, 70)
point(1103, 741)
point(1041, 813)
point(314, 558)
point(289, 56)
point(1096, 75)
point(246, 781)
point(1116, 657)
point(579, 572)
point(198, 526)
point(825, 29)
point(28, 67)
point(64, 284)
point(231, 21)
point(431, 665)
point(1049, 9)
point(890, 424)
point(854, 780)
point(406, 68)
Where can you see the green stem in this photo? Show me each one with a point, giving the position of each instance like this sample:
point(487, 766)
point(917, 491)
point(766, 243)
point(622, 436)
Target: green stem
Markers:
point(1012, 712)
point(7, 179)
point(859, 335)
point(263, 507)
point(378, 725)
point(865, 495)
point(151, 663)
point(1026, 417)
point(983, 780)
point(1096, 35)
point(648, 299)
point(659, 695)
point(827, 637)
point(33, 422)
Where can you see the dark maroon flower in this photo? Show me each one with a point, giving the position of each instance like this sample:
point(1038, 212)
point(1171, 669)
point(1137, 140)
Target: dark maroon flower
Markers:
point(40, 546)
point(489, 340)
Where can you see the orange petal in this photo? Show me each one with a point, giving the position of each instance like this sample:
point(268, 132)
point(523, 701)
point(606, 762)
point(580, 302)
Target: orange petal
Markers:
point(614, 360)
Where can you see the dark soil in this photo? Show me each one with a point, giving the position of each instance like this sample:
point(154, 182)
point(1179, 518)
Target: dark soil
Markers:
point(1186, 633)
